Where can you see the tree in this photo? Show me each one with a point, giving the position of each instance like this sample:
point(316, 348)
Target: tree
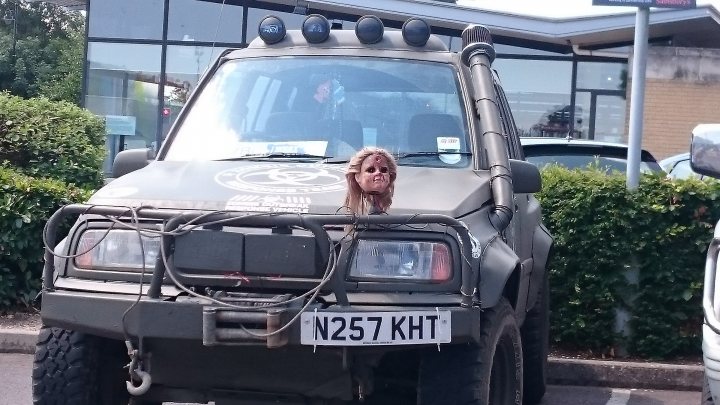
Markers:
point(48, 51)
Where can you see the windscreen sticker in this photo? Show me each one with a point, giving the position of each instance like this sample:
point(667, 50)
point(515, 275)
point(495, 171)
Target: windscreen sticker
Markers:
point(269, 203)
point(271, 178)
point(446, 145)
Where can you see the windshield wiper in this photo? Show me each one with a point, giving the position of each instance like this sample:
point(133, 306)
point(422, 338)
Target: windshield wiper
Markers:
point(278, 155)
point(416, 154)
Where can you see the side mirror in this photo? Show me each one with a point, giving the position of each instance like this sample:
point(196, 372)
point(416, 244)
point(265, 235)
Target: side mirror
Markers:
point(526, 177)
point(130, 160)
point(705, 150)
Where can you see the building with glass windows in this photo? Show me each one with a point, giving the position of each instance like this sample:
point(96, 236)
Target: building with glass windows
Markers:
point(562, 77)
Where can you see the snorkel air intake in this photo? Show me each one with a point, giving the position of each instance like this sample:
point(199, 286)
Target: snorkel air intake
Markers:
point(478, 54)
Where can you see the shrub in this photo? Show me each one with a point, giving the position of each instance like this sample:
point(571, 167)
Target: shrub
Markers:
point(25, 205)
point(43, 138)
point(639, 251)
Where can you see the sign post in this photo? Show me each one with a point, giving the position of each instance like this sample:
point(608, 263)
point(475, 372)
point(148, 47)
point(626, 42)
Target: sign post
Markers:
point(637, 98)
point(637, 91)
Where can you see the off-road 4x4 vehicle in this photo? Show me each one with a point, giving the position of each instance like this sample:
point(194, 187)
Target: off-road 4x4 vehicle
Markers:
point(228, 270)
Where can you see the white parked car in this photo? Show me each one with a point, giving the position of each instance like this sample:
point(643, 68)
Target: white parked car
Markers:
point(580, 154)
point(678, 167)
point(705, 160)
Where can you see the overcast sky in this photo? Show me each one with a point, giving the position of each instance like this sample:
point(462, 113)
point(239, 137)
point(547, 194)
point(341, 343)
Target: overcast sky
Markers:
point(556, 8)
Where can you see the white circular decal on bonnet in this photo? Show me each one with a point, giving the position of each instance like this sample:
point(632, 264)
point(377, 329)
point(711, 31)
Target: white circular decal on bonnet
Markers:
point(284, 178)
point(116, 192)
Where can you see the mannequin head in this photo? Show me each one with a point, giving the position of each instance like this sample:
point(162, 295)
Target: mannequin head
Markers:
point(371, 181)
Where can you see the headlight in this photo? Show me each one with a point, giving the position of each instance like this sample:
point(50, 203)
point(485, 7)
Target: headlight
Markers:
point(414, 261)
point(119, 249)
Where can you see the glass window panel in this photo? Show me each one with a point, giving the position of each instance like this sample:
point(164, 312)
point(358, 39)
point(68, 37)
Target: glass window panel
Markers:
point(610, 119)
point(582, 114)
point(454, 44)
point(192, 20)
point(123, 81)
point(185, 65)
point(601, 75)
point(136, 19)
point(540, 107)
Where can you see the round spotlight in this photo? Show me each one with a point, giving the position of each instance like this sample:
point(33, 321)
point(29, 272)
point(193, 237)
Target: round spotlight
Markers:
point(316, 28)
point(369, 29)
point(271, 30)
point(416, 32)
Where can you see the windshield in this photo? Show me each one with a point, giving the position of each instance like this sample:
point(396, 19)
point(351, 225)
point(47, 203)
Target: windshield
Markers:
point(325, 108)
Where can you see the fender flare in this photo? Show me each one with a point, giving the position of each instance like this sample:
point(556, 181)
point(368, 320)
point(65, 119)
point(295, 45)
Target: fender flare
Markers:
point(541, 251)
point(499, 263)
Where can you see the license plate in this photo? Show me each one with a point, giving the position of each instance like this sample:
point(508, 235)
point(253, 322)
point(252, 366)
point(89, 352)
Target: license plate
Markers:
point(374, 328)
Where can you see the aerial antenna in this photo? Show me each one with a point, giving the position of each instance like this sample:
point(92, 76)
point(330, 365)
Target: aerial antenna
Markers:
point(217, 30)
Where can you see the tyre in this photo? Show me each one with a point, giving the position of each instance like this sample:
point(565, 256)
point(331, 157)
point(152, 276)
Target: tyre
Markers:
point(706, 398)
point(71, 368)
point(487, 373)
point(536, 342)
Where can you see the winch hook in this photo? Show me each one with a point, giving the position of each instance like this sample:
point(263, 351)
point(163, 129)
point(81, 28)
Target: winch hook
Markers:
point(146, 381)
point(136, 373)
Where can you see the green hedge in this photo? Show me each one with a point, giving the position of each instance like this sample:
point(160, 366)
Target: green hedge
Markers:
point(643, 252)
point(58, 140)
point(25, 205)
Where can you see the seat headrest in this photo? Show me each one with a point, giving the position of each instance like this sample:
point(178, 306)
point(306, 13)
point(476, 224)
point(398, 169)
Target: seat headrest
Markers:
point(348, 131)
point(287, 125)
point(424, 129)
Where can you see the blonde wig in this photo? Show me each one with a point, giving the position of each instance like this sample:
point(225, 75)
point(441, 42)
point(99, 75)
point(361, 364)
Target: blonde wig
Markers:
point(356, 200)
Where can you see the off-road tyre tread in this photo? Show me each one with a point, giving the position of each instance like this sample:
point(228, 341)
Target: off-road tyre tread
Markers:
point(72, 368)
point(61, 373)
point(535, 337)
point(455, 376)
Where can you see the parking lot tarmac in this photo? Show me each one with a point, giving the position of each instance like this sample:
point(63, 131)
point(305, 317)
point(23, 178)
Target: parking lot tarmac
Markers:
point(16, 389)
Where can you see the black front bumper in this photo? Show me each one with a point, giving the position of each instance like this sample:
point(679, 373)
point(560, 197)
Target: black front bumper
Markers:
point(102, 314)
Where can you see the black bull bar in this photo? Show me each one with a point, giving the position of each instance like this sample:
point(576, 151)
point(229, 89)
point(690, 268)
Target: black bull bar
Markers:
point(314, 223)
